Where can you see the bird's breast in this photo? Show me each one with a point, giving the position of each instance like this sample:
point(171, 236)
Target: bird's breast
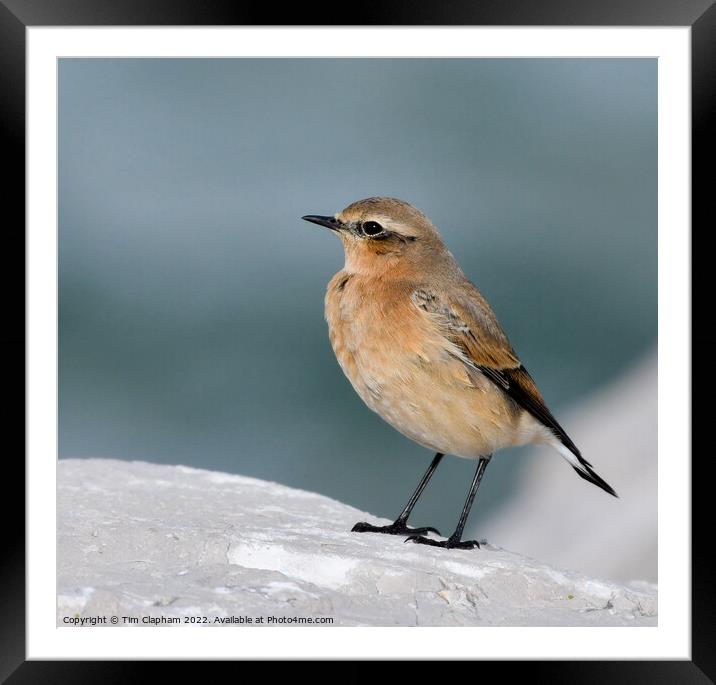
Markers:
point(378, 336)
point(403, 368)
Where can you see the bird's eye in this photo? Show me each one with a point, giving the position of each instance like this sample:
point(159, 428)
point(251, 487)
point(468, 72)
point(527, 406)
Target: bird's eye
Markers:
point(371, 228)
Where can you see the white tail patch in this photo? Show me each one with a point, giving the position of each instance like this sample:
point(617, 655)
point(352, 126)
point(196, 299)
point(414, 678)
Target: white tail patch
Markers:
point(582, 467)
point(569, 456)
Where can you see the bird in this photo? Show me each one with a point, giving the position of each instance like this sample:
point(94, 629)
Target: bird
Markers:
point(424, 350)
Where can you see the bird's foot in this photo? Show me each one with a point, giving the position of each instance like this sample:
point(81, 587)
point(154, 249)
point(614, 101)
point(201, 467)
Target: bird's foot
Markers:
point(450, 543)
point(397, 528)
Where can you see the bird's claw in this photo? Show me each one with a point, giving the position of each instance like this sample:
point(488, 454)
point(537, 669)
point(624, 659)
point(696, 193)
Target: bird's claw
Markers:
point(450, 543)
point(397, 528)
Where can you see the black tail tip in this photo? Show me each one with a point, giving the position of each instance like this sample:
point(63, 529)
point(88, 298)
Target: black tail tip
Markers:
point(592, 477)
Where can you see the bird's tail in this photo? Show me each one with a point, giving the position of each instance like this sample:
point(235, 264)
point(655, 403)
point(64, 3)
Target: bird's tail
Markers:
point(582, 466)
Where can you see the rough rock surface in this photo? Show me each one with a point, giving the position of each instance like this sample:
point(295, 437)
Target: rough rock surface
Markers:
point(169, 542)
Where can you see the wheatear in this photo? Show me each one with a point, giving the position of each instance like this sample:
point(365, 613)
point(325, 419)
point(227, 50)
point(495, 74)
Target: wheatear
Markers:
point(424, 350)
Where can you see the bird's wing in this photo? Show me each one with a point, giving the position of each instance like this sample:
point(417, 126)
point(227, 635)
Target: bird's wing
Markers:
point(469, 324)
point(467, 321)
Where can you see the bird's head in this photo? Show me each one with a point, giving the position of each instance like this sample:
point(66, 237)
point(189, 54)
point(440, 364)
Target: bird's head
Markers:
point(383, 235)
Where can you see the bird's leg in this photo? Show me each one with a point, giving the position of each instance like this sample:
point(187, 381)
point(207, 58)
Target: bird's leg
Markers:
point(455, 540)
point(399, 526)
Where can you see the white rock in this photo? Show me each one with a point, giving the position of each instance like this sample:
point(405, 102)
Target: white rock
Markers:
point(152, 541)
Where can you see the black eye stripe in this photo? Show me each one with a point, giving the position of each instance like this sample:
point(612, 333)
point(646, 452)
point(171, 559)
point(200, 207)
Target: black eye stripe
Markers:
point(372, 229)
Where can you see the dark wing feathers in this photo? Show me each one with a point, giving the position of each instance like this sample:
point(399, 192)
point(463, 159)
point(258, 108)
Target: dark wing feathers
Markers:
point(522, 389)
point(469, 323)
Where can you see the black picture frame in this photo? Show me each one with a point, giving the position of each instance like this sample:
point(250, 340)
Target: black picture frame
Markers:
point(17, 15)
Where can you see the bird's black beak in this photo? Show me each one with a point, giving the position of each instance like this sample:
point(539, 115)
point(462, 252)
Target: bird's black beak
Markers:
point(327, 221)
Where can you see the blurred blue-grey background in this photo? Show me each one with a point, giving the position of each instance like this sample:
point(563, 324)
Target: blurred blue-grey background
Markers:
point(191, 293)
